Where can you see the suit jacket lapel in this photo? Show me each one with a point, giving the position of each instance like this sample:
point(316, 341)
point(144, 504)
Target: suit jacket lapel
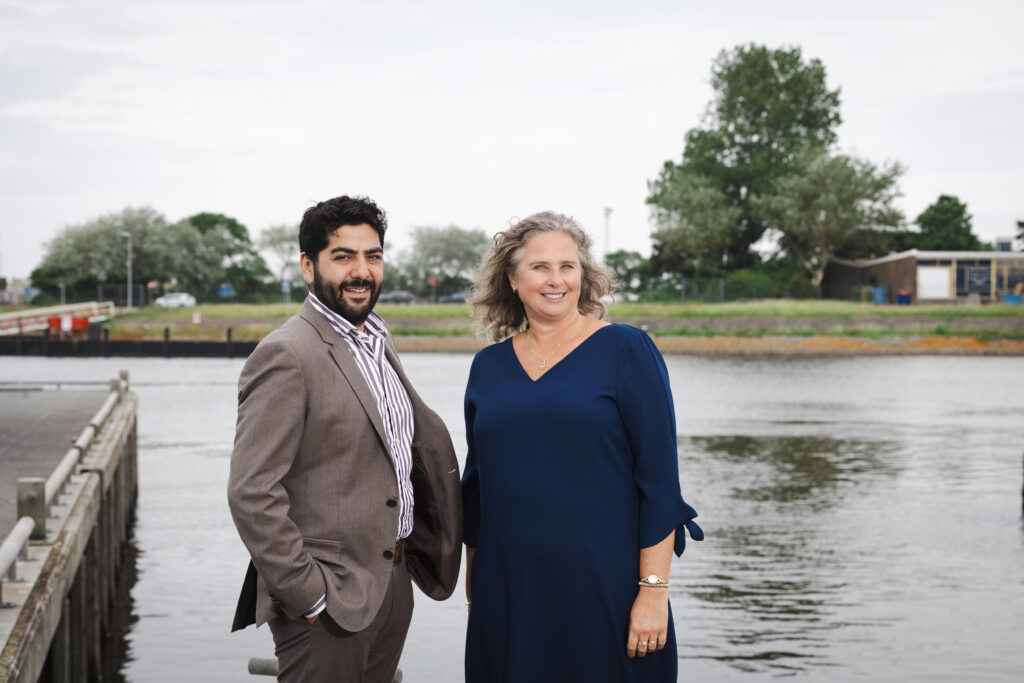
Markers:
point(346, 363)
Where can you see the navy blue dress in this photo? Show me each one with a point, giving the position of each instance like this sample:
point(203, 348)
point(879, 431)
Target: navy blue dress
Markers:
point(566, 479)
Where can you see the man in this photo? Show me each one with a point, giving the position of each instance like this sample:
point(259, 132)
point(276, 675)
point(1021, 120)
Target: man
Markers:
point(343, 483)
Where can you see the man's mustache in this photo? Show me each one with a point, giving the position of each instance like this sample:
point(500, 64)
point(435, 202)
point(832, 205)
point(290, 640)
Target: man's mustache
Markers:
point(357, 283)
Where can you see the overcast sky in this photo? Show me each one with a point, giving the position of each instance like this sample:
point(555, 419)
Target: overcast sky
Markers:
point(466, 112)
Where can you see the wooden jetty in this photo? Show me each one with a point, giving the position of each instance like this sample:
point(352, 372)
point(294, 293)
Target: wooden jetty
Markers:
point(61, 561)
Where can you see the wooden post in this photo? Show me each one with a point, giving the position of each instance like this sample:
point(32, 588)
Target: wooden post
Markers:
point(228, 349)
point(32, 503)
point(167, 342)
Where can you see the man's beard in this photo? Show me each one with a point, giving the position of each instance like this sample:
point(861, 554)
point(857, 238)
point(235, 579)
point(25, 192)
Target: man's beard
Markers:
point(333, 296)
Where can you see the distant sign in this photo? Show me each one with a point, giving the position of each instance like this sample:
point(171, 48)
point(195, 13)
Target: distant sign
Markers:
point(225, 291)
point(979, 278)
point(286, 286)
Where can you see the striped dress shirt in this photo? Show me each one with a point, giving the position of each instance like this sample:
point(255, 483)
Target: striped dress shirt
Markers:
point(367, 348)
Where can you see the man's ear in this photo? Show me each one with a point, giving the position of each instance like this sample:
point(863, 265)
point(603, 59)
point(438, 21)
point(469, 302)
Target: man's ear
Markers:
point(306, 264)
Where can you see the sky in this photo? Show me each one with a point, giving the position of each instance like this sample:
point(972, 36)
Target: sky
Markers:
point(467, 113)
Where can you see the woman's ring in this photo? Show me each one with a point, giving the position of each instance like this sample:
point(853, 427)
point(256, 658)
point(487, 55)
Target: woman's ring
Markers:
point(642, 642)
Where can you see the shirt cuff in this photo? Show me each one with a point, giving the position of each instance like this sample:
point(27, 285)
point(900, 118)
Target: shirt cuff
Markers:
point(317, 608)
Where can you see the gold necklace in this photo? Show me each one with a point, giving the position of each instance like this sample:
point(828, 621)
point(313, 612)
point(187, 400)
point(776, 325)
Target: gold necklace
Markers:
point(544, 361)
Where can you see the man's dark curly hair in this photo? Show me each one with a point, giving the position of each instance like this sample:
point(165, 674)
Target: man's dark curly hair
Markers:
point(321, 220)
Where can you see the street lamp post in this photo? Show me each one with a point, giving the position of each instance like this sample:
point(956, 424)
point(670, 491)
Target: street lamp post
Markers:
point(129, 263)
point(607, 232)
point(62, 298)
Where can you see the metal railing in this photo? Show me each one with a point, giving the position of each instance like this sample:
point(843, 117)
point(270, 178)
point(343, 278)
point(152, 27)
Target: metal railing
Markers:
point(37, 319)
point(35, 494)
point(14, 548)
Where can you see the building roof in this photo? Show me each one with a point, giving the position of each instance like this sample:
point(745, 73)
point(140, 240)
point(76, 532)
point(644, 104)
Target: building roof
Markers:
point(936, 255)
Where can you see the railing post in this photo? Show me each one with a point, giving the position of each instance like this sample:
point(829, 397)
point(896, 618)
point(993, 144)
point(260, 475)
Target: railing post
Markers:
point(32, 503)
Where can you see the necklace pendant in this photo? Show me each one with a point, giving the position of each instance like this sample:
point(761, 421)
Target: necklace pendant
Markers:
point(542, 363)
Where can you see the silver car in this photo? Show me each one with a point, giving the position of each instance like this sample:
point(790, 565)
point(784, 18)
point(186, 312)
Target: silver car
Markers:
point(175, 300)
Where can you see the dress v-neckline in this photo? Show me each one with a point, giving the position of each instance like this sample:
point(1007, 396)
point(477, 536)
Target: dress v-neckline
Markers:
point(531, 380)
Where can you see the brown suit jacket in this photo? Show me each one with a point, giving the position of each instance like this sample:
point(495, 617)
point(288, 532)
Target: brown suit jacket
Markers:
point(312, 488)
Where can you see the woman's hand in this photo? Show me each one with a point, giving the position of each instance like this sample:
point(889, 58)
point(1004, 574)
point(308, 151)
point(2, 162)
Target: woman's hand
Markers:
point(648, 622)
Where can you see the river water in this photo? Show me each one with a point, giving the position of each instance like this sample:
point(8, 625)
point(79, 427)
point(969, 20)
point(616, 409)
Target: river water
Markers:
point(863, 519)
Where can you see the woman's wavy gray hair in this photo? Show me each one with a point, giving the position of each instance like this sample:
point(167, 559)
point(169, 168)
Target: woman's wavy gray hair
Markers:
point(497, 310)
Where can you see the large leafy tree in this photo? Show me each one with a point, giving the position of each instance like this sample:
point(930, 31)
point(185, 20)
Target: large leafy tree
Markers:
point(695, 227)
point(85, 255)
point(767, 106)
point(244, 269)
point(631, 270)
point(825, 199)
point(946, 226)
point(283, 242)
point(450, 254)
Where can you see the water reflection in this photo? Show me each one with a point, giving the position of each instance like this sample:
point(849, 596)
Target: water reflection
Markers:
point(780, 554)
point(809, 470)
point(123, 615)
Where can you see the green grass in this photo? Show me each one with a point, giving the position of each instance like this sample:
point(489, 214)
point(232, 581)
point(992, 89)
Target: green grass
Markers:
point(220, 311)
point(939, 330)
point(807, 308)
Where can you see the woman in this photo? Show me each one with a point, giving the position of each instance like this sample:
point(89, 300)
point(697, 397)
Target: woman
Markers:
point(571, 487)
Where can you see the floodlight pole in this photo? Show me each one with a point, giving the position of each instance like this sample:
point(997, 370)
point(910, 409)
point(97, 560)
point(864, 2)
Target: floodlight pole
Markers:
point(607, 232)
point(129, 263)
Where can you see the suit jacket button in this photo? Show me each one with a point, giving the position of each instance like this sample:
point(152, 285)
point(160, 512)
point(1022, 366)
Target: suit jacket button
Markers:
point(388, 554)
point(392, 503)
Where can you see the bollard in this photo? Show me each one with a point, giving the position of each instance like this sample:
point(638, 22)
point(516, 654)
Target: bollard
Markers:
point(124, 377)
point(260, 666)
point(263, 666)
point(32, 504)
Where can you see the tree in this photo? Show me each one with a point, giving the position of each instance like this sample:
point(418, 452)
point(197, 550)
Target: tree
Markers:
point(824, 200)
point(946, 226)
point(451, 254)
point(873, 242)
point(283, 242)
point(243, 268)
point(768, 105)
point(631, 269)
point(695, 225)
point(83, 256)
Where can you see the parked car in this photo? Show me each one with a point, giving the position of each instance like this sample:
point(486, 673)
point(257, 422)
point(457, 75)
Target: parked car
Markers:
point(397, 296)
point(456, 298)
point(175, 300)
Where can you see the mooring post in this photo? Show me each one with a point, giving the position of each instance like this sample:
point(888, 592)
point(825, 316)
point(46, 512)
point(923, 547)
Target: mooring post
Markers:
point(32, 503)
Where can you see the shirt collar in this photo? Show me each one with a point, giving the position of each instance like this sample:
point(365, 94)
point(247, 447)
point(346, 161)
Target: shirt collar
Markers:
point(373, 326)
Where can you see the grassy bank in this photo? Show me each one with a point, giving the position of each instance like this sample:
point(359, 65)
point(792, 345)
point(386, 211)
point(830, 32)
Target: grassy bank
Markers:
point(761, 308)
